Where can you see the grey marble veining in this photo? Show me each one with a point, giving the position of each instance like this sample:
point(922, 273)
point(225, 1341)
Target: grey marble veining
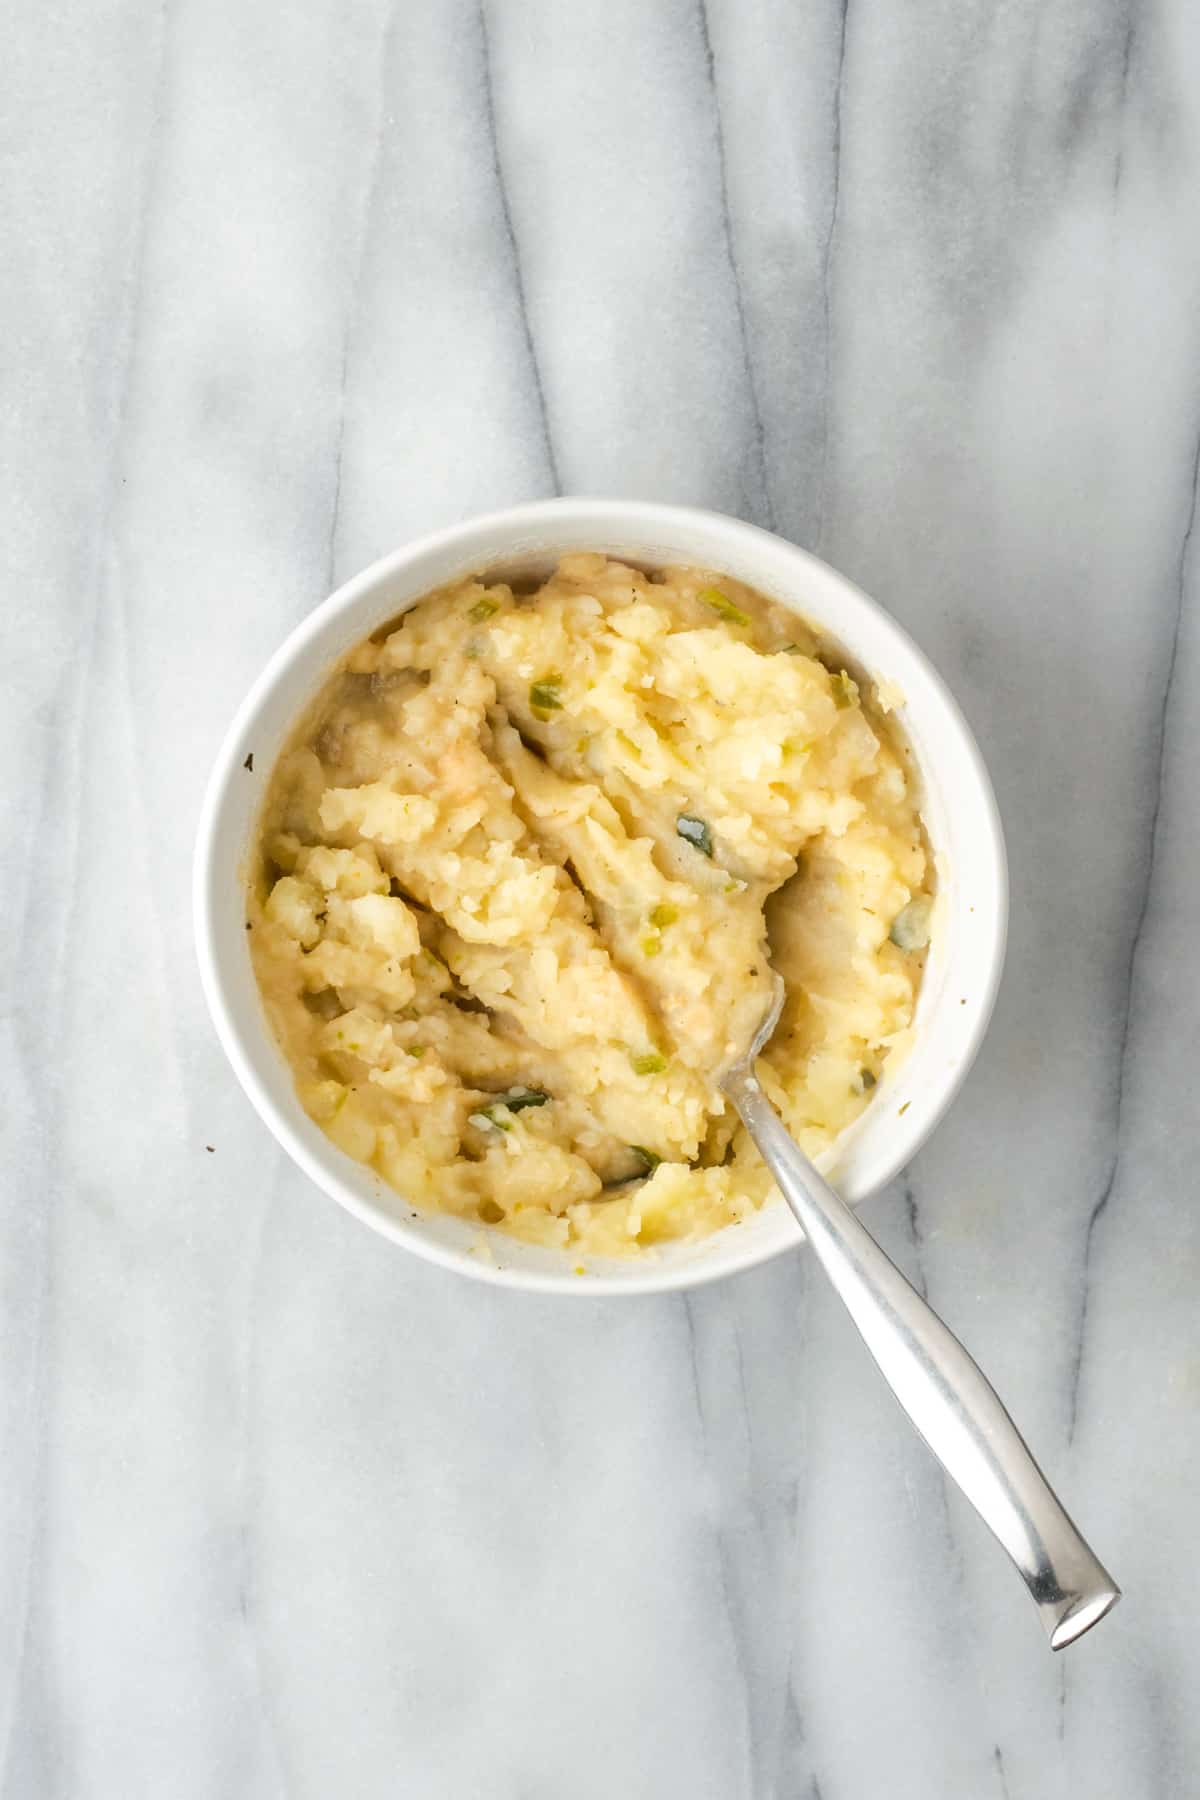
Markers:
point(282, 1511)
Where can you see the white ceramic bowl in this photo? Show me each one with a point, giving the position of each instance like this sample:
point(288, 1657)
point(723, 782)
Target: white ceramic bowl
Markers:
point(960, 814)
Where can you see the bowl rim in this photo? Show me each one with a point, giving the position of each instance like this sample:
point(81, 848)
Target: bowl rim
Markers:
point(640, 519)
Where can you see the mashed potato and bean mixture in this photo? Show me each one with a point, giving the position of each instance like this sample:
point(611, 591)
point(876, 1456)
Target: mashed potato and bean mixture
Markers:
point(516, 877)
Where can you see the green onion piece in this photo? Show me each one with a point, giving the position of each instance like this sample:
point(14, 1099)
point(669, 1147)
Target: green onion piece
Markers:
point(484, 609)
point(910, 927)
point(695, 832)
point(647, 1158)
point(651, 1062)
point(544, 696)
point(518, 1098)
point(723, 606)
point(487, 1117)
point(664, 915)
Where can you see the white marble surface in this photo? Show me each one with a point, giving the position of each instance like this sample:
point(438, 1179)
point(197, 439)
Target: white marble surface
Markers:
point(283, 1512)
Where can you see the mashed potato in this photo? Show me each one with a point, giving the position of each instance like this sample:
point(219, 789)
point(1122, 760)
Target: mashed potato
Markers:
point(515, 876)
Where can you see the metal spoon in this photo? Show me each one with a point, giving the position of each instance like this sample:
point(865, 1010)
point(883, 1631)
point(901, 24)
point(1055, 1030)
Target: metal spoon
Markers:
point(943, 1391)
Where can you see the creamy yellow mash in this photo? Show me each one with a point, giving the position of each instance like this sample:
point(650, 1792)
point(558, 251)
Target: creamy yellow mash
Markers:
point(516, 873)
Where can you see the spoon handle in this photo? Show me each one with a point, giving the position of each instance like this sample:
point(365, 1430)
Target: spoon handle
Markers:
point(943, 1391)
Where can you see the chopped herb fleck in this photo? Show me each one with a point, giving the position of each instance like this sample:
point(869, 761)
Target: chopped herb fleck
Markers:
point(414, 1050)
point(544, 696)
point(789, 650)
point(484, 609)
point(518, 1098)
point(845, 691)
point(647, 1158)
point(664, 915)
point(651, 944)
point(903, 1109)
point(650, 1062)
point(866, 1080)
point(694, 831)
point(249, 763)
point(723, 606)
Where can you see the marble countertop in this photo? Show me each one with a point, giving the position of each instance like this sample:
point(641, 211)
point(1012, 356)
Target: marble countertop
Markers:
point(283, 1511)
